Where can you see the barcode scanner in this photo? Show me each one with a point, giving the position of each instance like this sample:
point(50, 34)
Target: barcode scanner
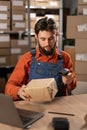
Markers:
point(60, 123)
point(64, 72)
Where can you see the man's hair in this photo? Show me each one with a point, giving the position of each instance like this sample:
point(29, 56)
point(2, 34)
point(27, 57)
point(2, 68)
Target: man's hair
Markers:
point(45, 24)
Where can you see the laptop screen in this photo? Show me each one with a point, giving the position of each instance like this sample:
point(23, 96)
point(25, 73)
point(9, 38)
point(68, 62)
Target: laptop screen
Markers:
point(16, 117)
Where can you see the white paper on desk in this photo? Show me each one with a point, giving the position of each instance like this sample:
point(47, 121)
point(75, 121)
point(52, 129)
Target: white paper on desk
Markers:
point(42, 89)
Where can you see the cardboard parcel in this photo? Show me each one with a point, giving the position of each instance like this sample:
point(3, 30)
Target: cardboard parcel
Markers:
point(42, 90)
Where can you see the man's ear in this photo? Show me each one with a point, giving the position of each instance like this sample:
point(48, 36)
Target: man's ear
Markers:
point(36, 37)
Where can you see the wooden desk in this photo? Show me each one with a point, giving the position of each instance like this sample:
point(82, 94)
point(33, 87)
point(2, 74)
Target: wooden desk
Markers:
point(76, 104)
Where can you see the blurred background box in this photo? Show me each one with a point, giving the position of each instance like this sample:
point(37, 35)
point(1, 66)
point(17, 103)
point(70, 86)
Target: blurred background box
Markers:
point(71, 51)
point(4, 60)
point(18, 4)
point(76, 27)
point(82, 2)
point(82, 10)
point(4, 40)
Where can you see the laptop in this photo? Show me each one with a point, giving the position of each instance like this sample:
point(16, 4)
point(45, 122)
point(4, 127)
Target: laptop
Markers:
point(16, 117)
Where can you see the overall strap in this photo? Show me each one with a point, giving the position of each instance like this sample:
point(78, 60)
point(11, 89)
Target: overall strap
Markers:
point(33, 52)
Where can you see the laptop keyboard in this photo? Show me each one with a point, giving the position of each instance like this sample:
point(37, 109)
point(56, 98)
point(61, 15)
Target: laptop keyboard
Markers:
point(25, 120)
point(28, 117)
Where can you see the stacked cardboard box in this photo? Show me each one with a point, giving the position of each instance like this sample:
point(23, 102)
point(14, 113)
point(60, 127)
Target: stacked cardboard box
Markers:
point(4, 15)
point(4, 38)
point(18, 15)
point(18, 47)
point(12, 18)
point(45, 3)
point(42, 4)
point(4, 57)
point(77, 29)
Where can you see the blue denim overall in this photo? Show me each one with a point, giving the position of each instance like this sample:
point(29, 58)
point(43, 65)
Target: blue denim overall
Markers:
point(40, 70)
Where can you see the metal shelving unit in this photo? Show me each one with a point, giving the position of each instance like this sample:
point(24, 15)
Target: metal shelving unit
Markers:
point(61, 24)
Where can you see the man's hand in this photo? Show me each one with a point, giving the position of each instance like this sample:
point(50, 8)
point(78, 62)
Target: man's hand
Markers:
point(67, 79)
point(22, 94)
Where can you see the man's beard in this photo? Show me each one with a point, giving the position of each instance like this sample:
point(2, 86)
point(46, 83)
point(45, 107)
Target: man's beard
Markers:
point(47, 53)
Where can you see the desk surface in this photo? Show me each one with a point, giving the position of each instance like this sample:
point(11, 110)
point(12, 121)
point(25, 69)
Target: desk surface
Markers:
point(76, 105)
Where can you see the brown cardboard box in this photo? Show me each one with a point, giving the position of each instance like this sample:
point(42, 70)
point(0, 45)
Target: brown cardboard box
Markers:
point(81, 45)
point(19, 43)
point(18, 4)
point(42, 90)
point(82, 9)
point(4, 5)
point(4, 25)
point(18, 15)
point(4, 51)
point(19, 50)
point(82, 2)
point(81, 49)
point(18, 26)
point(4, 60)
point(48, 4)
point(4, 16)
point(76, 27)
point(71, 51)
point(81, 67)
point(81, 77)
point(4, 40)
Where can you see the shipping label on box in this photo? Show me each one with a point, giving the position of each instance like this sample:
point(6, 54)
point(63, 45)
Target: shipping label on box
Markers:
point(81, 57)
point(15, 51)
point(18, 26)
point(18, 4)
point(4, 61)
point(18, 15)
point(4, 40)
point(4, 5)
point(4, 25)
point(84, 11)
point(3, 8)
point(82, 27)
point(42, 90)
point(19, 50)
point(19, 43)
point(3, 16)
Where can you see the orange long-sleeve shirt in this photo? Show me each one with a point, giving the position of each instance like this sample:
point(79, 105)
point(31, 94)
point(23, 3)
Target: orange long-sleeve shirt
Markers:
point(20, 74)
